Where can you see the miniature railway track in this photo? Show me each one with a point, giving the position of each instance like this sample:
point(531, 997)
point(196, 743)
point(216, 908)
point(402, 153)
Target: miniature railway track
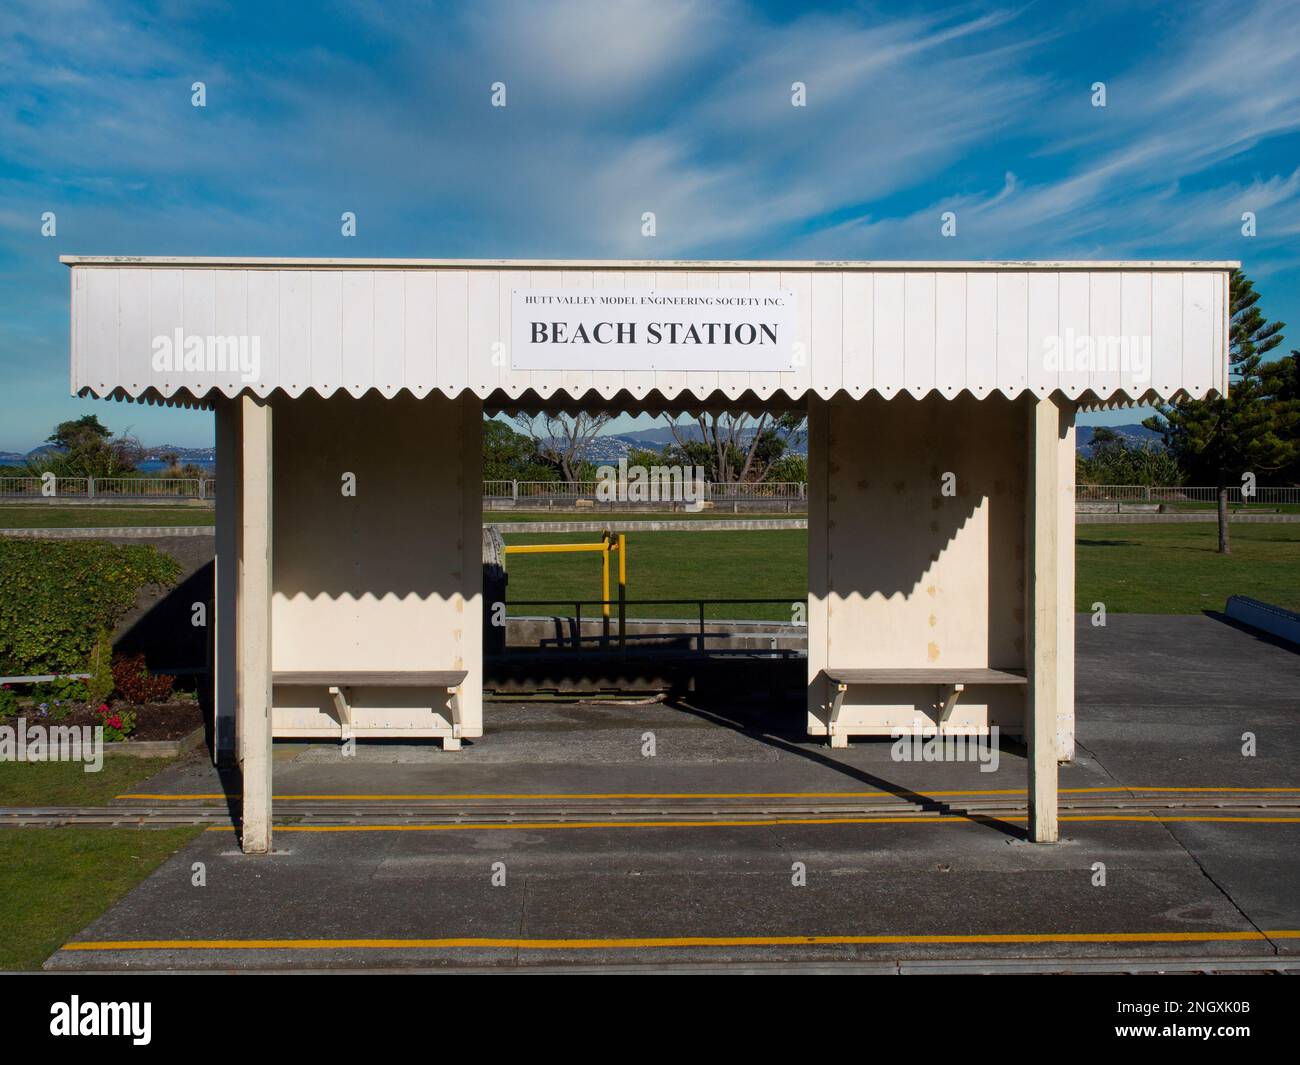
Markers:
point(495, 812)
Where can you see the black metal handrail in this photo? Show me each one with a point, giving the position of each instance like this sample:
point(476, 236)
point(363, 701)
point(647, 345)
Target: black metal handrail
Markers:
point(623, 604)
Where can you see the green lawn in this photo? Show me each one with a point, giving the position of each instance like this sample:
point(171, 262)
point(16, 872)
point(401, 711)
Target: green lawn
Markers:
point(95, 517)
point(671, 565)
point(1174, 569)
point(1237, 508)
point(68, 784)
point(55, 881)
point(1150, 569)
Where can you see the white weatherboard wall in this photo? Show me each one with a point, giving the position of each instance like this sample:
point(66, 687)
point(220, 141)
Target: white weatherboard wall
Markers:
point(389, 579)
point(336, 325)
point(379, 369)
point(902, 576)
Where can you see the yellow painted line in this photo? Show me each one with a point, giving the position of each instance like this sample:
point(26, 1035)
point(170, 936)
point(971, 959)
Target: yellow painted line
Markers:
point(677, 941)
point(1166, 819)
point(949, 819)
point(468, 796)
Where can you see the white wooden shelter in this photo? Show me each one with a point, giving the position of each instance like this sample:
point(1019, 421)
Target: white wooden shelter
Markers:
point(941, 399)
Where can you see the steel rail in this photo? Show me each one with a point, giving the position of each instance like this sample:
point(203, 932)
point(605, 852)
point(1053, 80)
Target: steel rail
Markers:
point(522, 812)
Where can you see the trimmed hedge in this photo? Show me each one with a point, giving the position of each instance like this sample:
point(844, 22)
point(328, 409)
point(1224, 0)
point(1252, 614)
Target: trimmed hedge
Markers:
point(55, 595)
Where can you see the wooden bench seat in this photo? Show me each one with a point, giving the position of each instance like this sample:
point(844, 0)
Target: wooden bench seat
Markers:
point(340, 681)
point(953, 680)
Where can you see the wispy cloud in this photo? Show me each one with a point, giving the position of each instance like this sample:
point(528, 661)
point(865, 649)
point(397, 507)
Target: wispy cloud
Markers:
point(617, 107)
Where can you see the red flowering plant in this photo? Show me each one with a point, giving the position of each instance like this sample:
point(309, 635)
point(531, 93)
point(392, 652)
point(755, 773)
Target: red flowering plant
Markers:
point(118, 722)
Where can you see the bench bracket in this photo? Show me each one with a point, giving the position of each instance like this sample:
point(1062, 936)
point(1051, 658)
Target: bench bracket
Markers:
point(452, 742)
point(834, 739)
point(950, 701)
point(340, 696)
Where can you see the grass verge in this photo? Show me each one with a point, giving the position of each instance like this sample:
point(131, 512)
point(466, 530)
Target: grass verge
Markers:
point(97, 517)
point(55, 881)
point(68, 784)
point(670, 565)
point(1175, 569)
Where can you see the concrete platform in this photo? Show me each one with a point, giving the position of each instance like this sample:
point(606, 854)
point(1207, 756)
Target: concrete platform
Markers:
point(1163, 702)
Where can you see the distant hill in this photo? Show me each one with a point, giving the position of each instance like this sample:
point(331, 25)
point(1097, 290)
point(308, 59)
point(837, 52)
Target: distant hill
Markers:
point(1131, 434)
point(183, 454)
point(661, 436)
point(201, 456)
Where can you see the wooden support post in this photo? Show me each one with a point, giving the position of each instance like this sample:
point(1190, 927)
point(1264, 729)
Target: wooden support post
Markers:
point(1042, 561)
point(1066, 458)
point(254, 623)
point(224, 617)
point(819, 700)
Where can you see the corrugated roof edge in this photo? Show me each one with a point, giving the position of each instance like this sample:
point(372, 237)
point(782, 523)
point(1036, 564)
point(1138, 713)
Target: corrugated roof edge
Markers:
point(1085, 399)
point(650, 264)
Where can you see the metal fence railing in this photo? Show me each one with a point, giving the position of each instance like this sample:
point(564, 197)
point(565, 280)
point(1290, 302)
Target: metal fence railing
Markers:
point(612, 615)
point(1137, 493)
point(126, 488)
point(570, 491)
point(567, 492)
point(758, 490)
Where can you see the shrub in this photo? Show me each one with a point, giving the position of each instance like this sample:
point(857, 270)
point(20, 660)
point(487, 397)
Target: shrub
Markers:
point(62, 689)
point(100, 668)
point(8, 701)
point(135, 684)
point(56, 595)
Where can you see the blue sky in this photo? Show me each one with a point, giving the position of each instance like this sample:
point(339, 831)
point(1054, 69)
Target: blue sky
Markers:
point(616, 108)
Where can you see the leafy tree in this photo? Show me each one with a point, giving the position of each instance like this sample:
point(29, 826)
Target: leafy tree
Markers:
point(687, 451)
point(85, 448)
point(788, 468)
point(511, 456)
point(73, 434)
point(737, 446)
point(1253, 428)
point(1282, 379)
point(563, 439)
point(1115, 461)
point(648, 457)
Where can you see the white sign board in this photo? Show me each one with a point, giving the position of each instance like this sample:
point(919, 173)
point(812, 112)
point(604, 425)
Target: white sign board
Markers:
point(652, 329)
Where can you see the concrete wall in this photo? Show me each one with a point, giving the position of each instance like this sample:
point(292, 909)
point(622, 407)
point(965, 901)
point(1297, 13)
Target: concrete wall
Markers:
point(389, 579)
point(902, 576)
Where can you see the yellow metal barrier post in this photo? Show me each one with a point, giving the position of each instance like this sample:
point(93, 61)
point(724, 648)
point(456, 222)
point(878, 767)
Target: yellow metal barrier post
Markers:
point(622, 591)
point(604, 588)
point(607, 544)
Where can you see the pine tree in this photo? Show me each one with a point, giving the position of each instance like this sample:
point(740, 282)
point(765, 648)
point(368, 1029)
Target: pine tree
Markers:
point(1251, 430)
